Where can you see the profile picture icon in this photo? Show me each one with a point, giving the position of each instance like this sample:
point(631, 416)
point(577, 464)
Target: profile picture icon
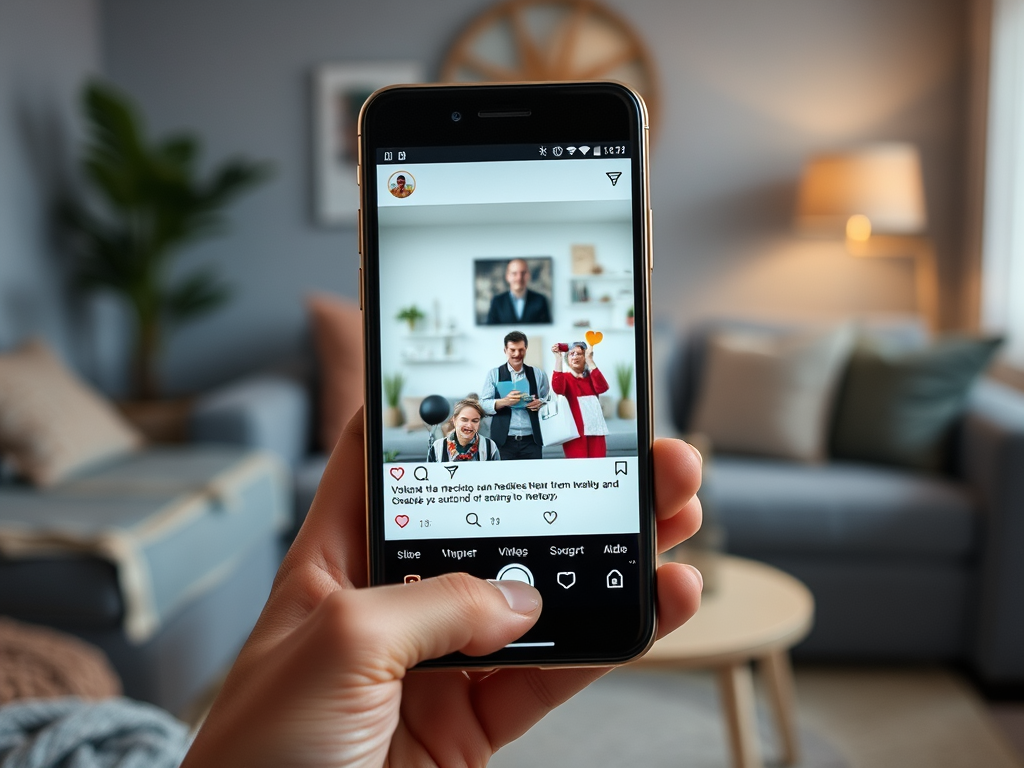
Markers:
point(401, 184)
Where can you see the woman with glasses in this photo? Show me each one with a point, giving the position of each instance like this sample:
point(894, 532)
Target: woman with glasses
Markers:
point(581, 384)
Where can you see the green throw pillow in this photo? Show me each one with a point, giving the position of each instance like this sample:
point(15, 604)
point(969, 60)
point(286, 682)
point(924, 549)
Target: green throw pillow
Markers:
point(899, 408)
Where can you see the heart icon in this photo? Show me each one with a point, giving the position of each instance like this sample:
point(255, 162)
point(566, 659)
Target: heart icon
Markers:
point(550, 517)
point(397, 472)
point(594, 338)
point(402, 520)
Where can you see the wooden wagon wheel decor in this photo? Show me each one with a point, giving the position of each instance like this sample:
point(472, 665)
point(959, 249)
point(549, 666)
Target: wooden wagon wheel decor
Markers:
point(552, 40)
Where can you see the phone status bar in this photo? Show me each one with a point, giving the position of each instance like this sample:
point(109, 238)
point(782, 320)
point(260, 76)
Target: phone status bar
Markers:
point(505, 152)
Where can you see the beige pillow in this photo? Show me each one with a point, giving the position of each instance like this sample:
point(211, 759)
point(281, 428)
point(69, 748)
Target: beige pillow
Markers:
point(771, 394)
point(411, 411)
point(52, 423)
point(338, 334)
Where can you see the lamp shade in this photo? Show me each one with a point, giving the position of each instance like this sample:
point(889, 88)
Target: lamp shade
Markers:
point(881, 182)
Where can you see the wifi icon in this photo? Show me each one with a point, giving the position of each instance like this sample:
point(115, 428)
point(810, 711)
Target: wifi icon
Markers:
point(584, 150)
point(571, 151)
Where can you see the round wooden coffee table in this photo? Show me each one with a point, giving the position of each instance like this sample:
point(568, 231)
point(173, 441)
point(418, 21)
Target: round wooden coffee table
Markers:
point(756, 613)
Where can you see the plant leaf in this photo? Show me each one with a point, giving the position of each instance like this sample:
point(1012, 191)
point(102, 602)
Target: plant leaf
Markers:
point(198, 293)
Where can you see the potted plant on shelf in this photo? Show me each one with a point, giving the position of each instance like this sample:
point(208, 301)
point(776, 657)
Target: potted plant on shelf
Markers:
point(145, 203)
point(393, 396)
point(412, 315)
point(629, 317)
point(624, 376)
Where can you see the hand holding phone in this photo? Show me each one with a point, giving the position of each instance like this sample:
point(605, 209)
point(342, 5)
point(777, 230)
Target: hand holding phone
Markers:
point(311, 702)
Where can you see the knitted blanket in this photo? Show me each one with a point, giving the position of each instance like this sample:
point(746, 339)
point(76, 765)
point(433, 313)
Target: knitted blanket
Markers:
point(72, 733)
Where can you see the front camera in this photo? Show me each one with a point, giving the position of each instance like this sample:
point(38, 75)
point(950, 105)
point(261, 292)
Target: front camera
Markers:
point(456, 116)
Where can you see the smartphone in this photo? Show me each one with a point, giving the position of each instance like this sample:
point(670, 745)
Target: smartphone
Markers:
point(494, 221)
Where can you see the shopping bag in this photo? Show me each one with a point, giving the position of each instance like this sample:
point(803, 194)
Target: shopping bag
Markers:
point(557, 425)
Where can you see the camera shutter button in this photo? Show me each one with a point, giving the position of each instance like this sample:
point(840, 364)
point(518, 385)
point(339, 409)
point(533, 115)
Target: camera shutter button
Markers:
point(516, 572)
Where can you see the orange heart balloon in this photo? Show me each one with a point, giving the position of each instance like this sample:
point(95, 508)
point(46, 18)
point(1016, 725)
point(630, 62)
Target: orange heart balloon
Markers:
point(594, 338)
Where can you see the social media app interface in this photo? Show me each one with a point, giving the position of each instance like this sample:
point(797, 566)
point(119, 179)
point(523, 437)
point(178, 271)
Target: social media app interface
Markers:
point(508, 355)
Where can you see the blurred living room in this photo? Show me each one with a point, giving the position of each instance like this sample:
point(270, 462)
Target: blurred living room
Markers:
point(838, 326)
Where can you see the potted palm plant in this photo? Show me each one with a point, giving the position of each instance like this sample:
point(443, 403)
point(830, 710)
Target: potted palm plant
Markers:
point(393, 396)
point(146, 201)
point(624, 377)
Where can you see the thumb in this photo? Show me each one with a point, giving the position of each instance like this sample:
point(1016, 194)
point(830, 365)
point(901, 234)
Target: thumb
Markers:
point(409, 623)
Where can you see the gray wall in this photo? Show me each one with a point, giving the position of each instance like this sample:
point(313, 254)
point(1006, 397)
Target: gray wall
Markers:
point(47, 48)
point(751, 87)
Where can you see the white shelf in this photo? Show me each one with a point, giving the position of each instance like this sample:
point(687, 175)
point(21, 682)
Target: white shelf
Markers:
point(428, 360)
point(433, 336)
point(604, 276)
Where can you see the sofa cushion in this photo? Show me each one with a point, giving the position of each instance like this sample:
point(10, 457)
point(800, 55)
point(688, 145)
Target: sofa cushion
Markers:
point(52, 424)
point(899, 408)
point(687, 366)
point(771, 396)
point(338, 333)
point(842, 508)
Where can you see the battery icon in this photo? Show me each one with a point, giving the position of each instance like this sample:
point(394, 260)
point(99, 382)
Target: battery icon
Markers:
point(597, 151)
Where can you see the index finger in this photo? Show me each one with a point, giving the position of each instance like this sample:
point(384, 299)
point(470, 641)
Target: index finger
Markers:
point(333, 536)
point(678, 469)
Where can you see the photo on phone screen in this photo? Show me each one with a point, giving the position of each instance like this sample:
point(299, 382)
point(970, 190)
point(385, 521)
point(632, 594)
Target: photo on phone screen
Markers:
point(506, 311)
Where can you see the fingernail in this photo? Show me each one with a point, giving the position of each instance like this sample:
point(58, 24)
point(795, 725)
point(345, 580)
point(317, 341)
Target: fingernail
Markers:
point(699, 454)
point(521, 597)
point(699, 575)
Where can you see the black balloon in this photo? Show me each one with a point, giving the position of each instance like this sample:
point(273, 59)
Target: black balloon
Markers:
point(434, 409)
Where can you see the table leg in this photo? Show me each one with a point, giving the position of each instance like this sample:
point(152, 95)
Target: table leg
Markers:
point(736, 687)
point(778, 677)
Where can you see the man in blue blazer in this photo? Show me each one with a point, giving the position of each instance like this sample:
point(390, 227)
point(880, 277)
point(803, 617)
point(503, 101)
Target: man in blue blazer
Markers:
point(520, 304)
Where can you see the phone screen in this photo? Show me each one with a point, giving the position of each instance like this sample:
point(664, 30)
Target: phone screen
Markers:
point(509, 428)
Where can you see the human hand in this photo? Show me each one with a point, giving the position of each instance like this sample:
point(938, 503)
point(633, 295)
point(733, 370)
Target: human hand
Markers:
point(558, 352)
point(535, 404)
point(510, 399)
point(588, 355)
point(324, 678)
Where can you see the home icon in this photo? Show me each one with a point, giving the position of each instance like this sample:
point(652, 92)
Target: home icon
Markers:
point(614, 579)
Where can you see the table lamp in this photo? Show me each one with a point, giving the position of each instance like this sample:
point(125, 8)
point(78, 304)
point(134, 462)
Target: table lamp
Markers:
point(873, 194)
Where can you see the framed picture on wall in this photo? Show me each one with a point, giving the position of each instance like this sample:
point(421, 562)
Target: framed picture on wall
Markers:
point(339, 93)
point(495, 281)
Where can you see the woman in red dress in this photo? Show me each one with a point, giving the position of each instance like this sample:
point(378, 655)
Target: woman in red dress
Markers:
point(581, 385)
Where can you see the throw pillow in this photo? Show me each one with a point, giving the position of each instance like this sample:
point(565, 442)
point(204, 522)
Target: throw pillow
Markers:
point(52, 424)
point(338, 336)
point(411, 412)
point(899, 407)
point(771, 394)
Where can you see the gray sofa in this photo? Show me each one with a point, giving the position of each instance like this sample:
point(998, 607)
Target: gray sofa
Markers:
point(903, 565)
point(163, 558)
